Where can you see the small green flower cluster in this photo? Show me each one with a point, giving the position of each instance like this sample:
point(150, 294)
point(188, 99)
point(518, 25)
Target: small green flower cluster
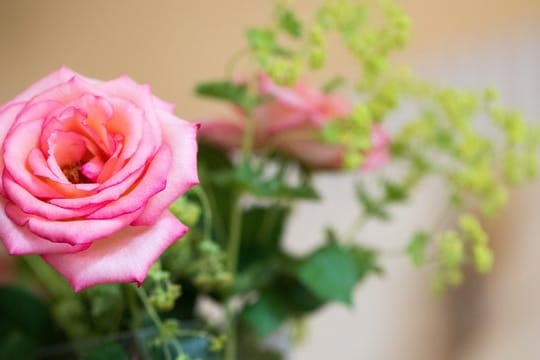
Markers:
point(457, 247)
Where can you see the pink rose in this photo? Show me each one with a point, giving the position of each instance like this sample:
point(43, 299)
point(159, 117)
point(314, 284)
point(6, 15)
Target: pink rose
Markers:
point(89, 169)
point(291, 122)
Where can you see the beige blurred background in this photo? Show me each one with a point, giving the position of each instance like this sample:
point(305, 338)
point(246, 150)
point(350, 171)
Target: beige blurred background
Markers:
point(173, 44)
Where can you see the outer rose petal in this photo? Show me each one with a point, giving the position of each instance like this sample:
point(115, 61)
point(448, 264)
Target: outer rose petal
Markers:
point(20, 241)
point(73, 232)
point(59, 76)
point(182, 137)
point(8, 114)
point(124, 257)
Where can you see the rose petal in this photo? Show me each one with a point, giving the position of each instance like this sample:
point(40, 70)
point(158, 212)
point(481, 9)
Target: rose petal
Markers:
point(59, 76)
point(92, 168)
point(124, 257)
point(73, 232)
point(152, 182)
point(32, 205)
point(8, 114)
point(140, 95)
point(17, 146)
point(20, 241)
point(182, 137)
point(110, 193)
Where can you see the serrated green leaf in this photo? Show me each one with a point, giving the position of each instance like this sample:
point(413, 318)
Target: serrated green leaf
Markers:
point(261, 39)
point(370, 205)
point(366, 261)
point(394, 192)
point(416, 248)
point(330, 272)
point(290, 23)
point(227, 91)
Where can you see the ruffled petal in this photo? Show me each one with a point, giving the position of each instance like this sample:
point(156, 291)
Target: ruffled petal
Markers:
point(124, 257)
point(17, 146)
point(34, 206)
point(59, 76)
point(182, 137)
point(152, 182)
point(8, 114)
point(73, 232)
point(18, 240)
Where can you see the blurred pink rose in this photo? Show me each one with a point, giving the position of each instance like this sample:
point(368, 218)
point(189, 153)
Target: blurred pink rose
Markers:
point(89, 169)
point(291, 122)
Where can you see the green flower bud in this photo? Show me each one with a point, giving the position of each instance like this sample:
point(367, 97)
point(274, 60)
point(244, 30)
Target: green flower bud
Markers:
point(483, 258)
point(450, 249)
point(317, 58)
point(472, 229)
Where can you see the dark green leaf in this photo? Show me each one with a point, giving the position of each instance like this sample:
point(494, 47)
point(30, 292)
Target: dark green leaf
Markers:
point(108, 350)
point(290, 23)
point(365, 260)
point(16, 346)
point(23, 313)
point(330, 272)
point(227, 91)
point(416, 248)
point(266, 315)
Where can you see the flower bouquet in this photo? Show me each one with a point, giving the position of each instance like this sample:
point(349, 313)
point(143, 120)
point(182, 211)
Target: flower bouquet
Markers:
point(135, 234)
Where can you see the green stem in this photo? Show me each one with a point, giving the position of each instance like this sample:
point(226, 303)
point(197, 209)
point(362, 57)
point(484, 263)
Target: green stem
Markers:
point(355, 227)
point(55, 286)
point(207, 211)
point(154, 317)
point(229, 67)
point(232, 260)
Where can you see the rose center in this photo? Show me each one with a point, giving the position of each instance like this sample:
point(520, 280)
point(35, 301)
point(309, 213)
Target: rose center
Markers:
point(74, 173)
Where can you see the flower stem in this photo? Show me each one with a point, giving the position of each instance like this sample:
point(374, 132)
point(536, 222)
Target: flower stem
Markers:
point(232, 260)
point(207, 211)
point(55, 286)
point(154, 317)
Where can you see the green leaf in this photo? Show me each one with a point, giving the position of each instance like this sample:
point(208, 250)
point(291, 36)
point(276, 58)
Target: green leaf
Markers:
point(23, 313)
point(366, 261)
point(330, 272)
point(227, 91)
point(394, 192)
point(261, 39)
point(333, 84)
point(16, 346)
point(371, 206)
point(255, 182)
point(108, 350)
point(416, 248)
point(105, 305)
point(266, 315)
point(290, 23)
